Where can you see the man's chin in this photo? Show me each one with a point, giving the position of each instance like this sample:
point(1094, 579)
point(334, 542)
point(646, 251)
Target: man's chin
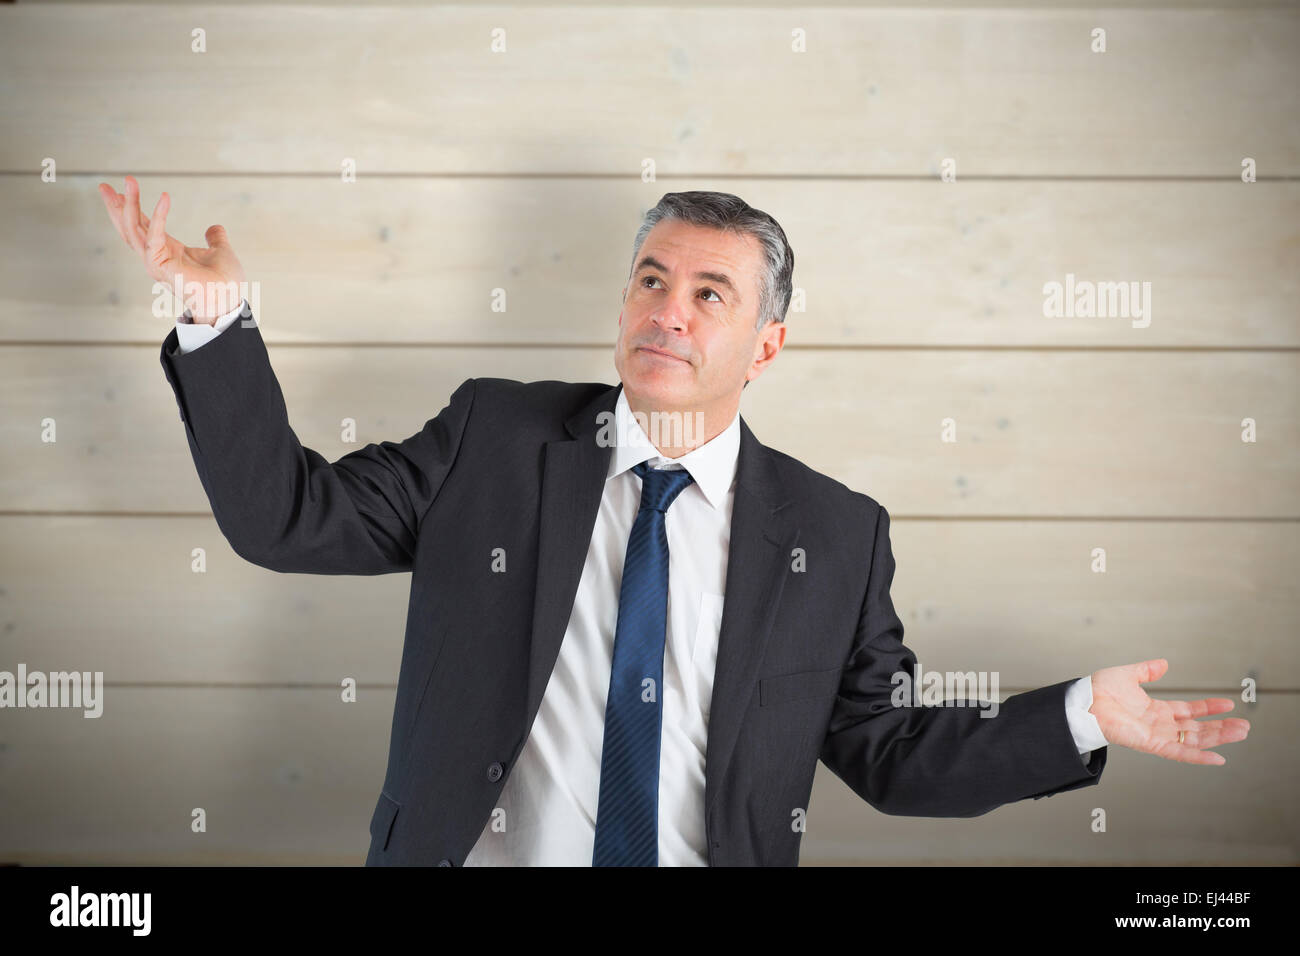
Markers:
point(667, 386)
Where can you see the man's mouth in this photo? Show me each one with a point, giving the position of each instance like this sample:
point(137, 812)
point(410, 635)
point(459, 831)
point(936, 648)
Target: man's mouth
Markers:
point(654, 351)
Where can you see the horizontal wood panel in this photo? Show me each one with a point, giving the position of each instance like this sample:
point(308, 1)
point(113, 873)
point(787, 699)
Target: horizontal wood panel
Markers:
point(701, 91)
point(119, 595)
point(283, 775)
point(1042, 434)
point(292, 776)
point(1119, 434)
point(406, 260)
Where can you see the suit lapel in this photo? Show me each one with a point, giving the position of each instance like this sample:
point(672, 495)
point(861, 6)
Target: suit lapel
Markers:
point(762, 537)
point(573, 482)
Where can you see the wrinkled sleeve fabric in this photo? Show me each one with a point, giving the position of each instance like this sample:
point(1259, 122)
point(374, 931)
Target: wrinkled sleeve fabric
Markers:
point(281, 505)
point(939, 761)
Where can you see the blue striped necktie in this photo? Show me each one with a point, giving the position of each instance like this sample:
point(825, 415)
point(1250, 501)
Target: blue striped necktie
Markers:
point(627, 815)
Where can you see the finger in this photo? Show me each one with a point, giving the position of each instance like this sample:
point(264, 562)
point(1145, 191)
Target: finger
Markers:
point(1206, 757)
point(113, 200)
point(1198, 708)
point(142, 221)
point(116, 201)
point(131, 215)
point(108, 194)
point(158, 256)
point(1213, 733)
point(157, 228)
point(118, 212)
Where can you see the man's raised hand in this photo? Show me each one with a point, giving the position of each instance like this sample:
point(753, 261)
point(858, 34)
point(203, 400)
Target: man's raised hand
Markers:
point(211, 279)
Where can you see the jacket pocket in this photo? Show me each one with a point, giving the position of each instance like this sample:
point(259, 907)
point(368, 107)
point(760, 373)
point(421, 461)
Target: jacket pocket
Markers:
point(800, 686)
point(381, 823)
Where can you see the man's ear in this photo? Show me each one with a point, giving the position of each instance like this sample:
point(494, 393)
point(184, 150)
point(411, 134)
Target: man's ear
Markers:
point(773, 334)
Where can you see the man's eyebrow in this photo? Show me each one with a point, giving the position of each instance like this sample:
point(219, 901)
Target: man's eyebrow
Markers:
point(650, 262)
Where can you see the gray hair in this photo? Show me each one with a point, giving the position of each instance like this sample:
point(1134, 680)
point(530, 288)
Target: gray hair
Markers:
point(732, 214)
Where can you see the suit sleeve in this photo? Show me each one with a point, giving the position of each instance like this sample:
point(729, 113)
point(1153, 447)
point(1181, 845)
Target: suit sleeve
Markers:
point(940, 761)
point(281, 505)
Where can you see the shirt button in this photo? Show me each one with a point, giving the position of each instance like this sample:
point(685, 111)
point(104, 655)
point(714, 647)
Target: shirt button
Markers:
point(495, 771)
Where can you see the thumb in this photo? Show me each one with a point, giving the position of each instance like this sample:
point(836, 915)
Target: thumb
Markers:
point(216, 237)
point(1152, 670)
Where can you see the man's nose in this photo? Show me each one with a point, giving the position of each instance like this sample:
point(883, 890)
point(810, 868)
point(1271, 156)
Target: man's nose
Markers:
point(669, 319)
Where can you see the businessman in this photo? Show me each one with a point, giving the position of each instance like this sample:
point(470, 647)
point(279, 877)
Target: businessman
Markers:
point(633, 629)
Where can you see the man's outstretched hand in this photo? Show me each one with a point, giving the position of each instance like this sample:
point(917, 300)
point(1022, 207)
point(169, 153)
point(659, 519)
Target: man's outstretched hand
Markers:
point(211, 279)
point(1129, 718)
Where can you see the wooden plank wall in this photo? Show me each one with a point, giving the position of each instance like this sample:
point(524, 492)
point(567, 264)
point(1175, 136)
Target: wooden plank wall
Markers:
point(522, 170)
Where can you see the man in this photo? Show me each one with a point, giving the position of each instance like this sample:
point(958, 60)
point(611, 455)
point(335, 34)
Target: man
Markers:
point(633, 629)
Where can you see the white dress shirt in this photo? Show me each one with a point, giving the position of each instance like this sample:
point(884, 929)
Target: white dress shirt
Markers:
point(549, 802)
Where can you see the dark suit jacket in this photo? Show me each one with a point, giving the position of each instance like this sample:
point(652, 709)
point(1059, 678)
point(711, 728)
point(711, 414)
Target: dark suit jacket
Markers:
point(804, 660)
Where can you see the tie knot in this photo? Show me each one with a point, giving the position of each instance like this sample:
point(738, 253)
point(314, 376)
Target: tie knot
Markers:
point(660, 486)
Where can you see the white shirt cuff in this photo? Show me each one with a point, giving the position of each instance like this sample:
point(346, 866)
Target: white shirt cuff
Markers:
point(190, 336)
point(1083, 725)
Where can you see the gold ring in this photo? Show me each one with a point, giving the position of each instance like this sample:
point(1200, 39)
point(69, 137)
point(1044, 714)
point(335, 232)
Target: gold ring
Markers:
point(1181, 735)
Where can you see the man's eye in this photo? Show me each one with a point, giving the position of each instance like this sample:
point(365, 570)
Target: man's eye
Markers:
point(711, 292)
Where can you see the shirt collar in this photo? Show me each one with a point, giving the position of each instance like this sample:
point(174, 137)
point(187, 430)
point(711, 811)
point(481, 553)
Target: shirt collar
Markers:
point(712, 465)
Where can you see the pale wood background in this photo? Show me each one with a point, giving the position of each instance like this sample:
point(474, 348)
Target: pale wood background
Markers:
point(522, 171)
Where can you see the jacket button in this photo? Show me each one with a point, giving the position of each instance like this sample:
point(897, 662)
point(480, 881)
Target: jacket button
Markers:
point(444, 863)
point(495, 771)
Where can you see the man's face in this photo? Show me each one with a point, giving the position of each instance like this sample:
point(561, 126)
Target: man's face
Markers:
point(687, 338)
